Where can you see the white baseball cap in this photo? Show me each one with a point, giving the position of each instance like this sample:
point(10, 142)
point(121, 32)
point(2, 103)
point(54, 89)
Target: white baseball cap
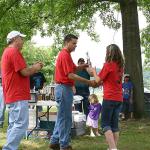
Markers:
point(13, 34)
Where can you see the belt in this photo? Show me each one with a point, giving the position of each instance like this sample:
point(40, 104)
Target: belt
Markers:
point(59, 83)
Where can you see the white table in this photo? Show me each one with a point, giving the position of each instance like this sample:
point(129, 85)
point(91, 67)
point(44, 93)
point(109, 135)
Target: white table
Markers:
point(49, 104)
point(76, 99)
point(46, 103)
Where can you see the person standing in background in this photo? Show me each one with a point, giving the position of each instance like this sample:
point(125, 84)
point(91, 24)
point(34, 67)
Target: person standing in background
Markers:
point(127, 107)
point(37, 81)
point(82, 89)
point(16, 88)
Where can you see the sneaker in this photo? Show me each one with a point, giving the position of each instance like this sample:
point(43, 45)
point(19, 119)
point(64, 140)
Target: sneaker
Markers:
point(92, 134)
point(67, 148)
point(123, 117)
point(97, 134)
point(54, 146)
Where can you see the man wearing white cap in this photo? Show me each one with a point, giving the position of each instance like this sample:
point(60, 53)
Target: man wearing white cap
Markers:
point(16, 88)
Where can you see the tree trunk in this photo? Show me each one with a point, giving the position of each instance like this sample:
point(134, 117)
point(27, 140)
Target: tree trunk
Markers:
point(132, 52)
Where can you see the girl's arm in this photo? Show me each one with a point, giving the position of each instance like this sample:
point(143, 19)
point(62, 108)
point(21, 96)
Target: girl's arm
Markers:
point(97, 78)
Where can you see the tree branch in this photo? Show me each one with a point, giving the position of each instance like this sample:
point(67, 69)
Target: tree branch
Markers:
point(8, 8)
point(117, 1)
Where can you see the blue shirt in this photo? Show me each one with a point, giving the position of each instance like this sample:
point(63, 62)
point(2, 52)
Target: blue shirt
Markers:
point(37, 80)
point(127, 87)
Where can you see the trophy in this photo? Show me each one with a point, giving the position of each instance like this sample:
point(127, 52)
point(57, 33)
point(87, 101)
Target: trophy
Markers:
point(88, 59)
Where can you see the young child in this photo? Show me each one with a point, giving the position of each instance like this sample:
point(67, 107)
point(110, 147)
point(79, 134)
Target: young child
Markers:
point(93, 116)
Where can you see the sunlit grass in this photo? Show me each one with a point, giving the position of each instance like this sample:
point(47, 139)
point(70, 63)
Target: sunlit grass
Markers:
point(134, 135)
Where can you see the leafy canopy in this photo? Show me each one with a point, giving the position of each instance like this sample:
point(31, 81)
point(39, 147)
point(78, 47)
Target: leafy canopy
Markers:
point(62, 17)
point(33, 54)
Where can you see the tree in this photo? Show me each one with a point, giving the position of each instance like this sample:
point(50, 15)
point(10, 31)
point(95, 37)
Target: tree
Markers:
point(66, 16)
point(19, 15)
point(132, 52)
point(46, 55)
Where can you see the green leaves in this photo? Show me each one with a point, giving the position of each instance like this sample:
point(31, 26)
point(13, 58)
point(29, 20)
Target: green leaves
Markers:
point(46, 55)
point(144, 5)
point(61, 17)
point(145, 41)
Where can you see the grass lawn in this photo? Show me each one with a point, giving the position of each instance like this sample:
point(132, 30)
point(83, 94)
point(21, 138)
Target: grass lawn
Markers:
point(134, 135)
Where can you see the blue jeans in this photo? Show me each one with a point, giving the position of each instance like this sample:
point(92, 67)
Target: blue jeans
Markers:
point(110, 115)
point(2, 107)
point(62, 129)
point(18, 123)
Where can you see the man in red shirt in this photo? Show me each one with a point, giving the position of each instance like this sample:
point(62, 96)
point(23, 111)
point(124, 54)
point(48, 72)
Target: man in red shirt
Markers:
point(64, 78)
point(16, 88)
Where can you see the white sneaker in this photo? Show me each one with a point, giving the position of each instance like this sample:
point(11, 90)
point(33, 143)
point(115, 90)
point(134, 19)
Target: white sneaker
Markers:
point(97, 134)
point(92, 134)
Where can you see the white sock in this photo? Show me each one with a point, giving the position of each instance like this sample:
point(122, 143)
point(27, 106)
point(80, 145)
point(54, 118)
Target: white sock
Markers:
point(92, 134)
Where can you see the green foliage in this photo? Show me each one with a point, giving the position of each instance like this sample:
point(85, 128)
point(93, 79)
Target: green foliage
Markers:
point(146, 78)
point(45, 55)
point(74, 16)
point(145, 41)
point(19, 15)
point(144, 5)
point(62, 17)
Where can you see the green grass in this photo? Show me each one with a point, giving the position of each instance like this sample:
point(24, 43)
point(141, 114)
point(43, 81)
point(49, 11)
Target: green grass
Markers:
point(134, 135)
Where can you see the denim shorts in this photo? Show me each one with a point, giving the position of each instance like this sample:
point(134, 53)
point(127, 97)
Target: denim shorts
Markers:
point(110, 115)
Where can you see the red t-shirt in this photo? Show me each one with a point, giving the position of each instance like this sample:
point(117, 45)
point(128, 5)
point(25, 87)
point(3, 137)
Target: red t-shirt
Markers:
point(112, 81)
point(64, 66)
point(15, 86)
